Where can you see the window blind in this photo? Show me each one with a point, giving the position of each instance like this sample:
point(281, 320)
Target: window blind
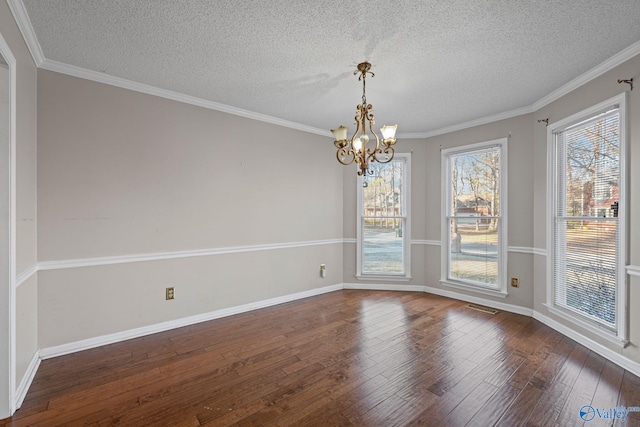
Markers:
point(586, 235)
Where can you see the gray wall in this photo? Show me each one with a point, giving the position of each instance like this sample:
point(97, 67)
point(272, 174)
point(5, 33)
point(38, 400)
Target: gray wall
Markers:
point(520, 197)
point(527, 157)
point(121, 173)
point(25, 175)
point(124, 173)
point(426, 210)
point(590, 94)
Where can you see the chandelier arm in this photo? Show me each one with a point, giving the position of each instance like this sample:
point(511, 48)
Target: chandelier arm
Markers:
point(359, 122)
point(372, 121)
point(388, 151)
point(342, 153)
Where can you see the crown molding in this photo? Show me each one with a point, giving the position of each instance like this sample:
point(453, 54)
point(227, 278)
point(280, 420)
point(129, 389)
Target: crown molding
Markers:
point(96, 76)
point(469, 124)
point(596, 71)
point(28, 34)
point(20, 14)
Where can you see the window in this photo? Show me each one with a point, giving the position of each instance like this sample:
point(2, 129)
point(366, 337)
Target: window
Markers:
point(384, 233)
point(474, 214)
point(586, 219)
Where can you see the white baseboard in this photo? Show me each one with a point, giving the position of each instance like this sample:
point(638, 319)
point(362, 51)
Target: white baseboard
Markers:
point(603, 351)
point(60, 350)
point(27, 379)
point(383, 287)
point(482, 301)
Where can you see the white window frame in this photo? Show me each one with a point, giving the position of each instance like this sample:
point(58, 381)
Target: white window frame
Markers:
point(406, 234)
point(619, 336)
point(501, 289)
point(10, 170)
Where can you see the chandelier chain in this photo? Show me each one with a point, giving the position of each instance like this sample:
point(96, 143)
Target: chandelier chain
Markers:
point(364, 68)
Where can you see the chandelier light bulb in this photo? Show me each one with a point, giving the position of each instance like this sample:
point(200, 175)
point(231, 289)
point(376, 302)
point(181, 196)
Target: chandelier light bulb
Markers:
point(357, 143)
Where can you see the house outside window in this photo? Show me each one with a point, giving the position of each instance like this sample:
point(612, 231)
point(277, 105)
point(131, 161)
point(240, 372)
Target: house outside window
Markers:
point(587, 220)
point(474, 213)
point(384, 229)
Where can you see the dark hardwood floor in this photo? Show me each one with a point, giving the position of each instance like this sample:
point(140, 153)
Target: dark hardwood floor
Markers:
point(362, 358)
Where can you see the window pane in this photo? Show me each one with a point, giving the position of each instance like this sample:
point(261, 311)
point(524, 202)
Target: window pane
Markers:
point(474, 250)
point(382, 192)
point(586, 225)
point(590, 153)
point(475, 183)
point(587, 277)
point(382, 246)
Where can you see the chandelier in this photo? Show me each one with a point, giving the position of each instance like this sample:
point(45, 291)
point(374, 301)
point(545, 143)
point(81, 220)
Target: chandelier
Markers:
point(355, 149)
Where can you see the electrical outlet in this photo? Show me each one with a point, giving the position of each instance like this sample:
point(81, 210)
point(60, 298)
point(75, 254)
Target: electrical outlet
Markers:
point(515, 282)
point(170, 294)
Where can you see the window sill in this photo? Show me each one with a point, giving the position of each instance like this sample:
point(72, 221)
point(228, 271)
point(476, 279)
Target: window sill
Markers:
point(386, 278)
point(593, 327)
point(477, 289)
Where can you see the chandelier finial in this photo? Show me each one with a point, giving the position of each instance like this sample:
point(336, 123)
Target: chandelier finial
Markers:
point(364, 68)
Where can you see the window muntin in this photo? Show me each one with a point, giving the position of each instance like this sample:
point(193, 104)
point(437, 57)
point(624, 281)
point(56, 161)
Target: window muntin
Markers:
point(474, 253)
point(383, 223)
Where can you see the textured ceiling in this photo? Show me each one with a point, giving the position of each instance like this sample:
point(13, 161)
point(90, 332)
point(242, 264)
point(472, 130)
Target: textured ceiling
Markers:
point(437, 63)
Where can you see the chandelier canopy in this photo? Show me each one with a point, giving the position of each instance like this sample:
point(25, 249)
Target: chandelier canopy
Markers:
point(355, 149)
